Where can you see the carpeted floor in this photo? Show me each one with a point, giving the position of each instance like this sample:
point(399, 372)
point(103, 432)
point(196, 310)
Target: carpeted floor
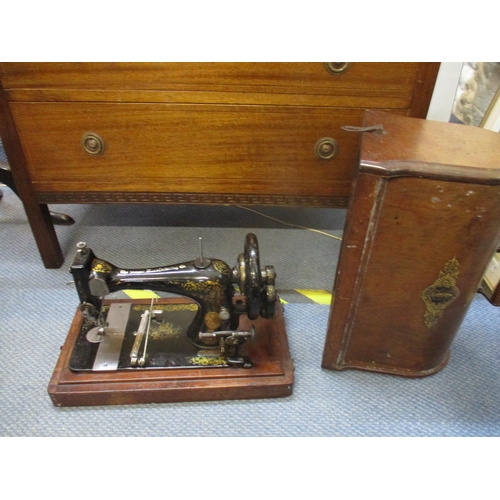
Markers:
point(37, 308)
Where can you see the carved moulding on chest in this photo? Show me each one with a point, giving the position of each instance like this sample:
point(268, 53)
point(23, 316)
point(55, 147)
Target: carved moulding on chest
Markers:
point(190, 198)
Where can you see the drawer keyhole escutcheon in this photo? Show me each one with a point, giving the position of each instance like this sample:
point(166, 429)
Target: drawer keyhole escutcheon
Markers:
point(337, 68)
point(93, 144)
point(326, 148)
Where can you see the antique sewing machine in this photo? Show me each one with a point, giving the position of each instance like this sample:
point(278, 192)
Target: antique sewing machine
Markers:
point(205, 327)
point(211, 334)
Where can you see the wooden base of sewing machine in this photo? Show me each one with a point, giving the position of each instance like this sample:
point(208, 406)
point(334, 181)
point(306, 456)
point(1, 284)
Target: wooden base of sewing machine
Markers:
point(271, 375)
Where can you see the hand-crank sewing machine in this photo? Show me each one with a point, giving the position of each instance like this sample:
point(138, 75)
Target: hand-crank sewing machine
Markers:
point(215, 317)
point(217, 333)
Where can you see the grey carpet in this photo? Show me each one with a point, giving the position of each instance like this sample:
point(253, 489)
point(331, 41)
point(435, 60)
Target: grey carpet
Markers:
point(37, 308)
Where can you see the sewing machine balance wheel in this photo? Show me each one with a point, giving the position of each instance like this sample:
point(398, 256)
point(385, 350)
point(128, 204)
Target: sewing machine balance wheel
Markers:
point(257, 286)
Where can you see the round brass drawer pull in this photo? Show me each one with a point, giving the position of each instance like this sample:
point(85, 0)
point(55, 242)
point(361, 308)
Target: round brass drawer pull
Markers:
point(93, 144)
point(337, 68)
point(326, 148)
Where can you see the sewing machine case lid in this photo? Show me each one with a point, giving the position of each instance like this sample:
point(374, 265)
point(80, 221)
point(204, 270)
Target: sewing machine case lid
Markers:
point(422, 224)
point(412, 146)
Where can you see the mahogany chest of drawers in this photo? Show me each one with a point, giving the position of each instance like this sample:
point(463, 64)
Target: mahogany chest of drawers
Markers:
point(243, 133)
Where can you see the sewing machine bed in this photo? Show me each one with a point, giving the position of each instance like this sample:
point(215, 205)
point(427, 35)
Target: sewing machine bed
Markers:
point(87, 374)
point(168, 345)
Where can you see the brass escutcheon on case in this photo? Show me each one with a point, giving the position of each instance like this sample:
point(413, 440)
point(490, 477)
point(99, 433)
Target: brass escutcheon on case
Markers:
point(441, 293)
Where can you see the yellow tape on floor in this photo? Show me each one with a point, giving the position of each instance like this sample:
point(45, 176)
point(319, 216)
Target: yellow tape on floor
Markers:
point(141, 294)
point(319, 296)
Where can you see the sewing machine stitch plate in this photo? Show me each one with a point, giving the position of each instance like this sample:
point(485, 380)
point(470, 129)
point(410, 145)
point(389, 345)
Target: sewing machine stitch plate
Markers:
point(168, 346)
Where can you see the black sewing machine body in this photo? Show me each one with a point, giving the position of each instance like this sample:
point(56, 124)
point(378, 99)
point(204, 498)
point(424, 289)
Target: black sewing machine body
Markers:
point(202, 331)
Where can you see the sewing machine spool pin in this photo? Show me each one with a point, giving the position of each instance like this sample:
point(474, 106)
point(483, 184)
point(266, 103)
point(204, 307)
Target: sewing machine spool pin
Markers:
point(201, 262)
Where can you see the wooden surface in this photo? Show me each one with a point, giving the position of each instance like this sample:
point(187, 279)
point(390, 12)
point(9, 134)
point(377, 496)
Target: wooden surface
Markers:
point(270, 377)
point(37, 213)
point(193, 132)
point(391, 81)
point(209, 149)
point(429, 143)
point(420, 222)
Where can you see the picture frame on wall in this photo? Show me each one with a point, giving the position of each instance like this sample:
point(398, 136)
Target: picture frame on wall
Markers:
point(491, 119)
point(476, 98)
point(477, 103)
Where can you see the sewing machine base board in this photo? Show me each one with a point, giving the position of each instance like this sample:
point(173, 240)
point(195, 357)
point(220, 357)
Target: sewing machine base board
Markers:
point(271, 375)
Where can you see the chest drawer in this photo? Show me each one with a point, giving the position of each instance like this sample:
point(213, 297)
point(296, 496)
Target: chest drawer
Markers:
point(342, 79)
point(180, 148)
